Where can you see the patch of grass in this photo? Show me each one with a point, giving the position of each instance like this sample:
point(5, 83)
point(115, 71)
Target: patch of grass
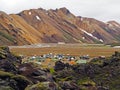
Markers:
point(3, 47)
point(7, 36)
point(65, 79)
point(52, 71)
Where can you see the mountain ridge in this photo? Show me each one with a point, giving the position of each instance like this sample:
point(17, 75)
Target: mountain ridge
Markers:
point(52, 26)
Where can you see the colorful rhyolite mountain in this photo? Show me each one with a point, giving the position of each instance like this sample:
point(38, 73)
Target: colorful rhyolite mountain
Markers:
point(52, 26)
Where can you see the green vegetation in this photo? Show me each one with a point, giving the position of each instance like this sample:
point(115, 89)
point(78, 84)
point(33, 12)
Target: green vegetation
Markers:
point(20, 78)
point(3, 47)
point(5, 74)
point(97, 61)
point(7, 36)
point(114, 44)
point(86, 81)
point(38, 86)
point(52, 71)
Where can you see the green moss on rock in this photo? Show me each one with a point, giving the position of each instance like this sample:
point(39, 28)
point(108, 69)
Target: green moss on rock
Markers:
point(5, 74)
point(39, 86)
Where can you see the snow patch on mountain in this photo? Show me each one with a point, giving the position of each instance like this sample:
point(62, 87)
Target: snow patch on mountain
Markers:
point(29, 13)
point(90, 34)
point(38, 18)
point(101, 40)
point(83, 37)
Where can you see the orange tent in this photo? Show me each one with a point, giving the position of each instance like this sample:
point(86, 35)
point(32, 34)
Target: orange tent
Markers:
point(72, 62)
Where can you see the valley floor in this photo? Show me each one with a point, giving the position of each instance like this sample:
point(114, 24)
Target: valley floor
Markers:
point(93, 50)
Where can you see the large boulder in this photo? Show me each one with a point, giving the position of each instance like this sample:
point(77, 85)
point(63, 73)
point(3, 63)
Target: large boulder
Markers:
point(69, 85)
point(9, 81)
point(8, 61)
point(59, 66)
point(33, 73)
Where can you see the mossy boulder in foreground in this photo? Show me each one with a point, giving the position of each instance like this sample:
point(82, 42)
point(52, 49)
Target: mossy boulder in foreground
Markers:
point(9, 77)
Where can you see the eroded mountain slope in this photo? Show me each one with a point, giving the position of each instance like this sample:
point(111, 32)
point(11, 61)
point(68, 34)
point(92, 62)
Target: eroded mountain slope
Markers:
point(52, 26)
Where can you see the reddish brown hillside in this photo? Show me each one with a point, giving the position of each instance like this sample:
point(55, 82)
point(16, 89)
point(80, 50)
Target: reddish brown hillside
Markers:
point(52, 26)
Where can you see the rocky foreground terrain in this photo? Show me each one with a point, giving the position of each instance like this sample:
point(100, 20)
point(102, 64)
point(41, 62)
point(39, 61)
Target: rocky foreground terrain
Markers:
point(99, 74)
point(53, 26)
